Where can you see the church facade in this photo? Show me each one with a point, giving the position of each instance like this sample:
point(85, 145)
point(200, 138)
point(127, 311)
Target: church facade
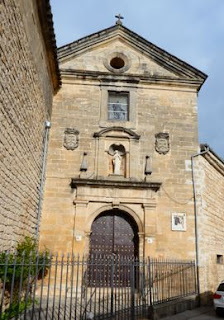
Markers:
point(124, 131)
point(124, 128)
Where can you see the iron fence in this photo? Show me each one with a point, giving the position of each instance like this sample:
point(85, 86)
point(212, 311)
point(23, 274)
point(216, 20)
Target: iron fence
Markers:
point(100, 287)
point(171, 280)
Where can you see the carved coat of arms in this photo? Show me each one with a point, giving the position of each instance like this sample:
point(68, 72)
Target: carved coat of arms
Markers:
point(162, 144)
point(71, 139)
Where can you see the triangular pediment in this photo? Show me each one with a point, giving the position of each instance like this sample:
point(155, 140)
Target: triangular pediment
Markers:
point(92, 54)
point(97, 59)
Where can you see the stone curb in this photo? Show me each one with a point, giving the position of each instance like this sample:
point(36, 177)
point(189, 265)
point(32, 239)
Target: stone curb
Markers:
point(191, 314)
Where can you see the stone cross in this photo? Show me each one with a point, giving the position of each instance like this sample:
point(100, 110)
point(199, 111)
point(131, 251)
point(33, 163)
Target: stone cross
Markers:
point(119, 17)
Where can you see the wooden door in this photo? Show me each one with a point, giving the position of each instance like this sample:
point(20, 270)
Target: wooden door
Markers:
point(113, 232)
point(114, 240)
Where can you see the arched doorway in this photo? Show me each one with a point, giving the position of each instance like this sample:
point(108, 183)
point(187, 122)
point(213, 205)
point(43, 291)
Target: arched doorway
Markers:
point(114, 232)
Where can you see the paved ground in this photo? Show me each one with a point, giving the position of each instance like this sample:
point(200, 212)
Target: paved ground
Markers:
point(203, 313)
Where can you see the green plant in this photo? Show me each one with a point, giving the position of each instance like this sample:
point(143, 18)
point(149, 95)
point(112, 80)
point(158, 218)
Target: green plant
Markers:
point(15, 309)
point(19, 270)
point(27, 261)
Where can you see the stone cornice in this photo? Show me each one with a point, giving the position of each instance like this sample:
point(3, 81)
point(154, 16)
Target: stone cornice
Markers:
point(107, 183)
point(128, 78)
point(213, 159)
point(47, 26)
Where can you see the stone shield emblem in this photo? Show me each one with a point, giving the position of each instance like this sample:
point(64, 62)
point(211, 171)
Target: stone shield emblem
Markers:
point(162, 144)
point(71, 139)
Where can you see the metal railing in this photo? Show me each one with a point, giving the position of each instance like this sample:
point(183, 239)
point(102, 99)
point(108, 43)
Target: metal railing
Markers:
point(81, 288)
point(171, 279)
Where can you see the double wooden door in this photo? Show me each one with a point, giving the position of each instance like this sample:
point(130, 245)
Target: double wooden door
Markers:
point(114, 233)
point(113, 249)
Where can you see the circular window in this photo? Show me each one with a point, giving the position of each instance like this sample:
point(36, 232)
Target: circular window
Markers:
point(117, 63)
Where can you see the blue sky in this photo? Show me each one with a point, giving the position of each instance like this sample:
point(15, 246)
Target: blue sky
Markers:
point(192, 30)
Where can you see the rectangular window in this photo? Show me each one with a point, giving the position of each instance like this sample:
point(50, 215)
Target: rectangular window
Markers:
point(118, 106)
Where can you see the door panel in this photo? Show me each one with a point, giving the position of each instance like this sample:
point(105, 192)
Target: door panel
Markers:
point(101, 240)
point(123, 237)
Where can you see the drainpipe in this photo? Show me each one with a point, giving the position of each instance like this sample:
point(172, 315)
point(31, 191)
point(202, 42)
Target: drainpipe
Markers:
point(196, 219)
point(46, 134)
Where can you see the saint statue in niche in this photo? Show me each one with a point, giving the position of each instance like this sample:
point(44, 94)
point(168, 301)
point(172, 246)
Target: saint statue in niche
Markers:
point(117, 162)
point(117, 159)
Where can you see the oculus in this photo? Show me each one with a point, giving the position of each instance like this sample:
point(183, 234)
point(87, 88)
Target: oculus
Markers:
point(117, 62)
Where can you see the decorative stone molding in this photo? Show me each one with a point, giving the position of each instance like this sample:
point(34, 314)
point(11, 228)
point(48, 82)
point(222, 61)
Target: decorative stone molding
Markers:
point(115, 184)
point(149, 206)
point(84, 165)
point(162, 144)
point(148, 169)
point(71, 138)
point(106, 132)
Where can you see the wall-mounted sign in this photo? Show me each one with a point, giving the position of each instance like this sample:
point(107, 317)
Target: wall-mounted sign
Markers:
point(179, 221)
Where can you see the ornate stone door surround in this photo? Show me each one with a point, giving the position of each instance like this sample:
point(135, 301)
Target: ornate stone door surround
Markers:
point(92, 197)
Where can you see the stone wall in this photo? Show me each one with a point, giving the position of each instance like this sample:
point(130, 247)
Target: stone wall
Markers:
point(26, 101)
point(210, 191)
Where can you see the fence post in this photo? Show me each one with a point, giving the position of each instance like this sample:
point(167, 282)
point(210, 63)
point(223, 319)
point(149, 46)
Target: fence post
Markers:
point(150, 282)
point(5, 266)
point(150, 288)
point(133, 290)
point(112, 286)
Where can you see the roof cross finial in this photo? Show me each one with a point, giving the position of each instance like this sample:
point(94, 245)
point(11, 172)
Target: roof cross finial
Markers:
point(119, 17)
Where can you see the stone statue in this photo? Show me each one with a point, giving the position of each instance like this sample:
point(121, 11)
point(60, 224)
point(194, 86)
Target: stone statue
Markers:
point(117, 162)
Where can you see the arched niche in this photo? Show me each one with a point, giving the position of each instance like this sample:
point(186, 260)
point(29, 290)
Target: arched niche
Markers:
point(108, 140)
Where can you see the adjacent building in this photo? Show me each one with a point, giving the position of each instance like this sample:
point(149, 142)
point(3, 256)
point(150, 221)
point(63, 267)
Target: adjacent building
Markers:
point(29, 79)
point(210, 208)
